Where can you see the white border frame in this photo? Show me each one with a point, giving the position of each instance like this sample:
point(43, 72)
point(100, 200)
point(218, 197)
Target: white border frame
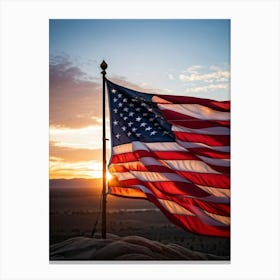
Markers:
point(255, 138)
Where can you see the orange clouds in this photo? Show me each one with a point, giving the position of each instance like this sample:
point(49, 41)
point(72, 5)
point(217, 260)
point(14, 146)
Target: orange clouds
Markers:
point(75, 121)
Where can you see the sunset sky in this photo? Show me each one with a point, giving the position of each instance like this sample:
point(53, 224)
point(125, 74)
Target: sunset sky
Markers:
point(180, 57)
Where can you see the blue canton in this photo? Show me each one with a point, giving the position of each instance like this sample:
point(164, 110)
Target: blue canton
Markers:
point(134, 117)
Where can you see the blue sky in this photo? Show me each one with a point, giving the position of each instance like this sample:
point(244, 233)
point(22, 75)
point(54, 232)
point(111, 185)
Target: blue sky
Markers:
point(150, 53)
point(178, 57)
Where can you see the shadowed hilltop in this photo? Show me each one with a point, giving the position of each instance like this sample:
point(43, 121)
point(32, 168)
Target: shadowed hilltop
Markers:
point(123, 248)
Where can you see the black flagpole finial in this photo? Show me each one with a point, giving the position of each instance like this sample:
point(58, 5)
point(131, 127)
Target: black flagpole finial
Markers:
point(103, 65)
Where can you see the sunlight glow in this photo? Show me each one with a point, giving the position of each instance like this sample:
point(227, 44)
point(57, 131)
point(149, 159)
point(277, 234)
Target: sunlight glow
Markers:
point(108, 176)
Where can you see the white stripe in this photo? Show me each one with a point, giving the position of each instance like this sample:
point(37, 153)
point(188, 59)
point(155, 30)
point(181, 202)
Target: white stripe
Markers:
point(156, 146)
point(218, 130)
point(157, 177)
point(222, 219)
point(135, 165)
point(216, 161)
point(196, 111)
point(149, 161)
point(174, 208)
point(123, 175)
point(150, 176)
point(121, 149)
point(157, 99)
point(212, 220)
point(190, 145)
point(218, 192)
point(191, 166)
point(143, 189)
point(215, 199)
point(136, 146)
point(165, 146)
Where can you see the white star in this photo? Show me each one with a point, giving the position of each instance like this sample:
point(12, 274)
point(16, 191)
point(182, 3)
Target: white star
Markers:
point(129, 133)
point(145, 114)
point(138, 109)
point(115, 110)
point(148, 128)
point(125, 118)
point(119, 95)
point(125, 100)
point(115, 99)
point(138, 119)
point(138, 134)
point(118, 136)
point(123, 128)
point(115, 122)
point(125, 109)
point(153, 133)
point(165, 132)
point(120, 104)
point(113, 90)
point(156, 124)
point(121, 114)
point(150, 109)
point(131, 114)
point(143, 104)
point(134, 129)
point(130, 124)
point(131, 105)
point(151, 119)
point(143, 124)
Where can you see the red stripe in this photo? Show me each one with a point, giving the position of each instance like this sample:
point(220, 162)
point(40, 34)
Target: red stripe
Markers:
point(193, 224)
point(186, 202)
point(130, 192)
point(191, 122)
point(223, 106)
point(204, 179)
point(159, 168)
point(215, 208)
point(225, 170)
point(168, 155)
point(167, 187)
point(140, 167)
point(206, 152)
point(210, 140)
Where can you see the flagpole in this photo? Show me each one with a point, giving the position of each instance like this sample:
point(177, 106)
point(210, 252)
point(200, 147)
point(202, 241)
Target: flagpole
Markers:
point(103, 66)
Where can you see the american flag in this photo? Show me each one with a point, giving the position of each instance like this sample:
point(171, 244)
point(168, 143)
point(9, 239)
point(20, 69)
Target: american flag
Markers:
point(173, 151)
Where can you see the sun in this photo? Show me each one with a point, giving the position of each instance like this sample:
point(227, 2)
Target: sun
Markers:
point(108, 176)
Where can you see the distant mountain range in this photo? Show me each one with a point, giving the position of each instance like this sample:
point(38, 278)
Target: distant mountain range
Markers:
point(75, 183)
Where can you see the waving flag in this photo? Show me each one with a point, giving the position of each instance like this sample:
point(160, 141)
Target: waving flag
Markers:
point(175, 152)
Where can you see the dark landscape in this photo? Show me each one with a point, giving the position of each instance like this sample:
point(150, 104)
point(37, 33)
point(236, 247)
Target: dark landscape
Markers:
point(75, 207)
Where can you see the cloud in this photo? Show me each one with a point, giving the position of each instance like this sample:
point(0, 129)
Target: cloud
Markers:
point(218, 76)
point(194, 69)
point(207, 88)
point(199, 74)
point(60, 153)
point(122, 81)
point(66, 162)
point(75, 97)
point(86, 138)
point(170, 76)
point(87, 169)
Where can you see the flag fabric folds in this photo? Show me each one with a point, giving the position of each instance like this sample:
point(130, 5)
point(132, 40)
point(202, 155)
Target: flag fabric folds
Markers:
point(175, 152)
